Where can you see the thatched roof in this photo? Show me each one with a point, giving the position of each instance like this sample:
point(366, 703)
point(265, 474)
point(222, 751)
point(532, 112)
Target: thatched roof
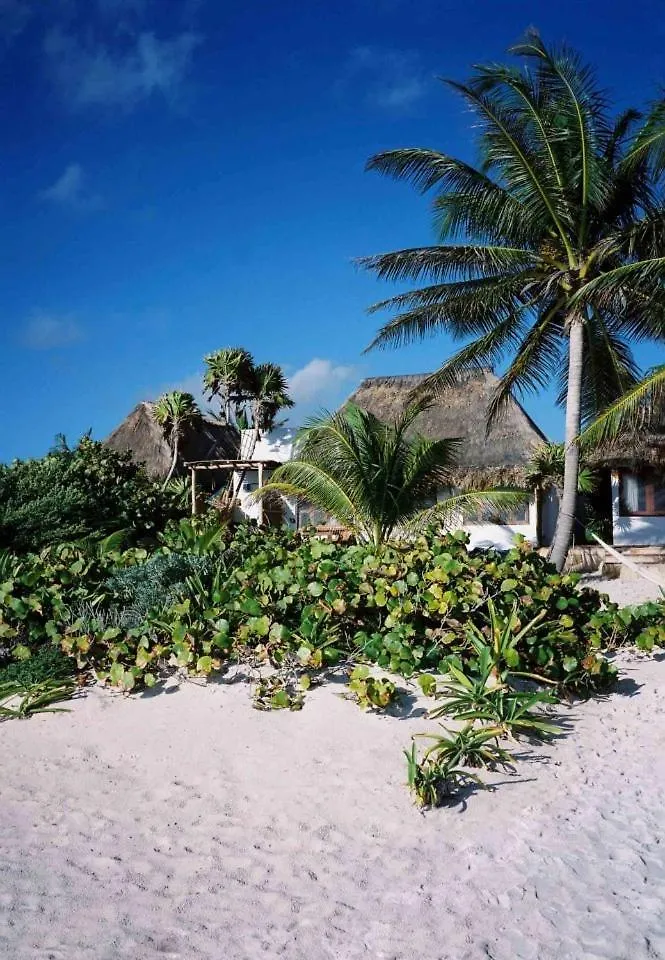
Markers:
point(497, 459)
point(631, 452)
point(143, 437)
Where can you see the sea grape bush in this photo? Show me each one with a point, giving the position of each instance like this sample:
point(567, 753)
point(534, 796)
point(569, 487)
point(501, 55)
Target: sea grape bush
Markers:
point(199, 604)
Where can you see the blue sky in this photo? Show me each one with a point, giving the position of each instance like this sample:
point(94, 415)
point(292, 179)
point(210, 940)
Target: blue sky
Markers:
point(183, 175)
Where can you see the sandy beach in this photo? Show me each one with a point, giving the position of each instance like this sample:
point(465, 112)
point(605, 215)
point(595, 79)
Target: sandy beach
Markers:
point(189, 825)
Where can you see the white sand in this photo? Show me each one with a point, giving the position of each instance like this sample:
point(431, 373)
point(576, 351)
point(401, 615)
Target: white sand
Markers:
point(189, 825)
point(624, 590)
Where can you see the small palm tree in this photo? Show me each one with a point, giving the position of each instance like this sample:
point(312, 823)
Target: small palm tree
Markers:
point(374, 478)
point(175, 412)
point(550, 252)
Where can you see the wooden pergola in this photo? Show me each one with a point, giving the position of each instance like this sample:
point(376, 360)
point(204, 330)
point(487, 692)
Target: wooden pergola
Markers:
point(195, 466)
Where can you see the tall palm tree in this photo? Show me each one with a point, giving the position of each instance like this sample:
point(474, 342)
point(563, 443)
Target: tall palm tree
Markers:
point(175, 412)
point(252, 395)
point(374, 477)
point(229, 375)
point(551, 252)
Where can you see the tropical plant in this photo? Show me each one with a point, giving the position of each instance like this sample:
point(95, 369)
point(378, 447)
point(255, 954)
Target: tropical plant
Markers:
point(229, 376)
point(549, 253)
point(82, 493)
point(251, 394)
point(546, 469)
point(469, 698)
point(433, 783)
point(374, 477)
point(468, 747)
point(175, 412)
point(369, 691)
point(638, 410)
point(20, 701)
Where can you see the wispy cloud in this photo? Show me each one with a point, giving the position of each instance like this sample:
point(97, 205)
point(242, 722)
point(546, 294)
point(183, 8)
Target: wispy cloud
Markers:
point(387, 78)
point(69, 191)
point(44, 331)
point(89, 74)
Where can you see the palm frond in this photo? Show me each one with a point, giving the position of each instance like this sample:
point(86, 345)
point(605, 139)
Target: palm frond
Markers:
point(629, 413)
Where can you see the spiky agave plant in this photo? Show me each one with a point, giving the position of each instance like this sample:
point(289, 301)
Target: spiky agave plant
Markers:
point(550, 252)
point(373, 477)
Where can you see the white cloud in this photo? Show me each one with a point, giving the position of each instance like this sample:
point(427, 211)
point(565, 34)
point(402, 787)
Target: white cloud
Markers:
point(391, 79)
point(46, 332)
point(122, 76)
point(69, 191)
point(319, 383)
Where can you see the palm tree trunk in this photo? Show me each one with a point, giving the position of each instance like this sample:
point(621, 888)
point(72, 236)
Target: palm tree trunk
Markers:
point(566, 519)
point(174, 461)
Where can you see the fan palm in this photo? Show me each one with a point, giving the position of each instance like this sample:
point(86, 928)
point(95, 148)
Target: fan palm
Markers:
point(551, 252)
point(373, 477)
point(175, 412)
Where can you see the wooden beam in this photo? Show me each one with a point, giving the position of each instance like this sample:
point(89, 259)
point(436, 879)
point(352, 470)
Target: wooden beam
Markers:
point(194, 503)
point(260, 516)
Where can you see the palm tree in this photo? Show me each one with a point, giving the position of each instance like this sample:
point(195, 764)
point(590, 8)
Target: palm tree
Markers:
point(175, 412)
point(374, 478)
point(254, 393)
point(229, 376)
point(551, 252)
point(546, 469)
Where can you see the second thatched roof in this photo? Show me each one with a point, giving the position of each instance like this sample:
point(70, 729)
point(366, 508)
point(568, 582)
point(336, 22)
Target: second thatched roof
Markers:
point(142, 436)
point(484, 460)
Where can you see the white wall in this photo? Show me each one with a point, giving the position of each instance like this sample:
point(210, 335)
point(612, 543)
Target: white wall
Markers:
point(634, 531)
point(276, 445)
point(498, 534)
point(250, 510)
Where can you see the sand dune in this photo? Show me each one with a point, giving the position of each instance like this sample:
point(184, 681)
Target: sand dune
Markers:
point(189, 825)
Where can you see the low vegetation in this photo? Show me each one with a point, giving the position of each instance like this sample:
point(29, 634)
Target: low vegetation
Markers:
point(494, 638)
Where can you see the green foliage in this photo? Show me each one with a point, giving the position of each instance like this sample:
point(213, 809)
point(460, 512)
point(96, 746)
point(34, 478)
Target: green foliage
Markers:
point(273, 693)
point(370, 691)
point(19, 700)
point(374, 477)
point(290, 603)
point(440, 774)
point(47, 663)
point(550, 248)
point(77, 494)
point(432, 784)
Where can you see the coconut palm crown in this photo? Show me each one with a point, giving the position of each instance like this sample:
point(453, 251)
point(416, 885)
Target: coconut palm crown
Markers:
point(551, 251)
point(374, 478)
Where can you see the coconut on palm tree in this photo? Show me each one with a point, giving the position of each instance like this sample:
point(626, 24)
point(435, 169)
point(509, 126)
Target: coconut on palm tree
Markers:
point(374, 478)
point(175, 412)
point(551, 251)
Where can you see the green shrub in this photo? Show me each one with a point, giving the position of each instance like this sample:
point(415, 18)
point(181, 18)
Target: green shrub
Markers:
point(74, 494)
point(414, 608)
point(48, 663)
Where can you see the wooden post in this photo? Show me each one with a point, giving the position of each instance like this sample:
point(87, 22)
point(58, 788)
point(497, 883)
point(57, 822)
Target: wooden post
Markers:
point(260, 516)
point(194, 504)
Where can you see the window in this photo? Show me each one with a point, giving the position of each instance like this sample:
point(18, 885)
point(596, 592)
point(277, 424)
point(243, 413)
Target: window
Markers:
point(508, 517)
point(641, 494)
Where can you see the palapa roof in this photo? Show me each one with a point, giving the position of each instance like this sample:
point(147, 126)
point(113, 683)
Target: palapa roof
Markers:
point(483, 460)
point(143, 438)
